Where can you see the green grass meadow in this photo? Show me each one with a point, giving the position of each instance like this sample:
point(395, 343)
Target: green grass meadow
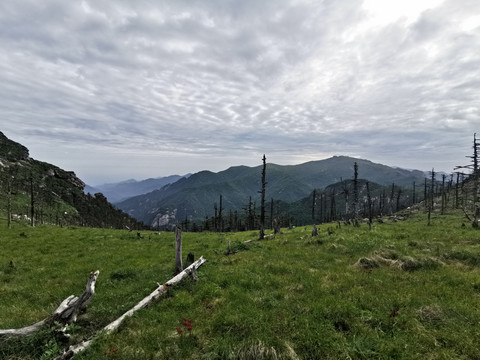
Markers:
point(403, 290)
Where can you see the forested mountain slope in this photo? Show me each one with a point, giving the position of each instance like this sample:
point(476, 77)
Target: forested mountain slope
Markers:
point(32, 189)
point(194, 197)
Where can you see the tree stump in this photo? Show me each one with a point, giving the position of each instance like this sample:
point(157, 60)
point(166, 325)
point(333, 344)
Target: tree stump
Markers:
point(178, 251)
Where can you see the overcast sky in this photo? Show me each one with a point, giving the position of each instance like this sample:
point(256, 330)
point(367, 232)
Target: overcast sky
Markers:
point(134, 89)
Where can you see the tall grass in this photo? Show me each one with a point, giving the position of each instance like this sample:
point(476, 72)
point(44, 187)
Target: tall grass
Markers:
point(288, 297)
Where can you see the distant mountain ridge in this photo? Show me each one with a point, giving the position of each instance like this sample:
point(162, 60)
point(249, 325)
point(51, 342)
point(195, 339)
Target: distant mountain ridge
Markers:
point(116, 192)
point(194, 197)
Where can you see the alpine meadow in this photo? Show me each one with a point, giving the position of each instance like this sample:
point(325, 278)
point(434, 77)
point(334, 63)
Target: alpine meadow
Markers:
point(371, 275)
point(240, 180)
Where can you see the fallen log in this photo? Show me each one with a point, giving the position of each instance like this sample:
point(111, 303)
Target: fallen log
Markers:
point(155, 295)
point(258, 239)
point(66, 313)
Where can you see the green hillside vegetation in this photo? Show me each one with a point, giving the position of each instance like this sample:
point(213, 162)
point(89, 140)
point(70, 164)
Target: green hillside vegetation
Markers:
point(116, 192)
point(402, 290)
point(193, 198)
point(31, 188)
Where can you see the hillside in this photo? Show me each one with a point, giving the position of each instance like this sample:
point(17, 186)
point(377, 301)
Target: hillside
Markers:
point(39, 192)
point(193, 198)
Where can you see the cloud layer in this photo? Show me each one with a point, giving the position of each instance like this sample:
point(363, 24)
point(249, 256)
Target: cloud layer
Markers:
point(121, 89)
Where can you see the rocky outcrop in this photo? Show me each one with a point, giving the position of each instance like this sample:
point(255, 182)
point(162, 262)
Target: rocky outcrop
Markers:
point(12, 151)
point(54, 192)
point(165, 220)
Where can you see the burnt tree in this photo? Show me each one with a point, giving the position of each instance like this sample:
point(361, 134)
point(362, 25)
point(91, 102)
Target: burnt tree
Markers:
point(475, 175)
point(355, 190)
point(313, 206)
point(262, 201)
point(431, 198)
point(220, 218)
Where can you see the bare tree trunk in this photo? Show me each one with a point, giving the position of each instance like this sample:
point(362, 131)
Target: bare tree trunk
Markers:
point(369, 200)
point(430, 201)
point(155, 295)
point(178, 251)
point(220, 218)
point(313, 205)
point(355, 192)
point(271, 214)
point(443, 194)
point(32, 202)
point(262, 201)
point(66, 313)
point(9, 203)
point(414, 195)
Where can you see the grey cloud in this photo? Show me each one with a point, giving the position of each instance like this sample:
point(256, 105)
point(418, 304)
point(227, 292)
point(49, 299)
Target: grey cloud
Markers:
point(203, 79)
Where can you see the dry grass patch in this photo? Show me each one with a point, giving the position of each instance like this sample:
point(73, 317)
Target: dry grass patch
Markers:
point(430, 314)
point(391, 259)
point(259, 351)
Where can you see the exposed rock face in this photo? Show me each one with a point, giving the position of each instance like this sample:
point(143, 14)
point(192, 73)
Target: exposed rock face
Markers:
point(53, 188)
point(11, 150)
point(164, 221)
point(13, 153)
point(70, 177)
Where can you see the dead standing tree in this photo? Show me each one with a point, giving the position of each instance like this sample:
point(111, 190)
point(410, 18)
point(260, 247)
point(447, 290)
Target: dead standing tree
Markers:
point(431, 198)
point(355, 194)
point(314, 198)
point(220, 218)
point(6, 180)
point(369, 204)
point(178, 251)
point(346, 194)
point(475, 175)
point(262, 201)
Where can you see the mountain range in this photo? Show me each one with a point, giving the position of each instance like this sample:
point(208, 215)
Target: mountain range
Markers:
point(194, 198)
point(117, 192)
point(164, 202)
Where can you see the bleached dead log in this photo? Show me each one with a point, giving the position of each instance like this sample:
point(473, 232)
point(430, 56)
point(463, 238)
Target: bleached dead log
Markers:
point(66, 313)
point(252, 240)
point(155, 295)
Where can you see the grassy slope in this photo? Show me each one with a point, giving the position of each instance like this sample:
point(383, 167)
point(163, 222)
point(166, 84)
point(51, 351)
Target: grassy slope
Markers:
point(290, 295)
